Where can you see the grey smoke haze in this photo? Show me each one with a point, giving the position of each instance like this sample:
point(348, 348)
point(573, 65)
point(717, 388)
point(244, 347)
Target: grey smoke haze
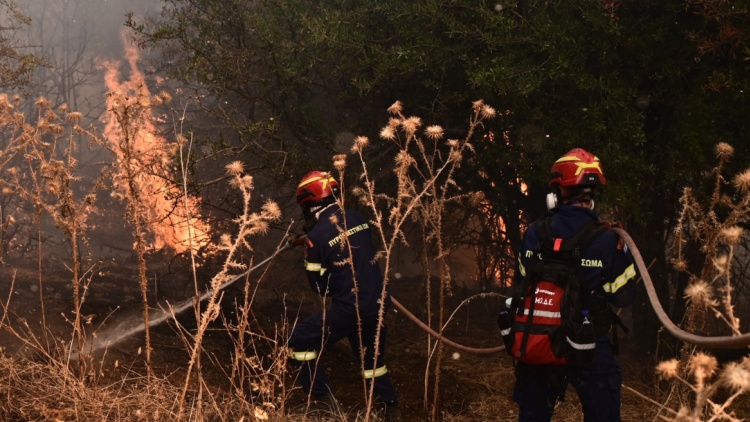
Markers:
point(74, 35)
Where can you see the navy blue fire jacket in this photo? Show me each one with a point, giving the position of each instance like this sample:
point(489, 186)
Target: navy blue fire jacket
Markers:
point(329, 269)
point(608, 265)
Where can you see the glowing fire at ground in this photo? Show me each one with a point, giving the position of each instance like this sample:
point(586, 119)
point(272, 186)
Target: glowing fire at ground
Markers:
point(171, 217)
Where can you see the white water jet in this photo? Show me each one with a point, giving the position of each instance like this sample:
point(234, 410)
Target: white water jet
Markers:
point(114, 334)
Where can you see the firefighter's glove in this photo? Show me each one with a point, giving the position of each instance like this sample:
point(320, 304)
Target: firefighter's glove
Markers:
point(296, 240)
point(613, 224)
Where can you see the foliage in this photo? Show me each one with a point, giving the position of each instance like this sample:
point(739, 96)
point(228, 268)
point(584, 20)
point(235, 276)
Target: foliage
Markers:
point(16, 66)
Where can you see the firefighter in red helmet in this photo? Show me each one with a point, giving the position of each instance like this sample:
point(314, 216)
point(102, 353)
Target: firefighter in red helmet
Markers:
point(608, 273)
point(336, 236)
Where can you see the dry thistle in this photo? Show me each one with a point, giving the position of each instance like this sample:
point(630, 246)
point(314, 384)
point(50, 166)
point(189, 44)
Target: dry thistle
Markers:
point(736, 377)
point(164, 96)
point(339, 162)
point(742, 181)
point(246, 182)
point(75, 117)
point(434, 132)
point(702, 366)
point(732, 235)
point(360, 143)
point(700, 293)
point(411, 125)
point(41, 103)
point(388, 133)
point(271, 210)
point(668, 369)
point(488, 112)
point(235, 168)
point(396, 108)
point(56, 129)
point(723, 150)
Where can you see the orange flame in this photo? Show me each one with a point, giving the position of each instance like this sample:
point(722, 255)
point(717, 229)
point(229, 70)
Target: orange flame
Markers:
point(172, 218)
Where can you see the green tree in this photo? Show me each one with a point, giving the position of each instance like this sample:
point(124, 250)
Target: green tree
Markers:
point(16, 66)
point(649, 86)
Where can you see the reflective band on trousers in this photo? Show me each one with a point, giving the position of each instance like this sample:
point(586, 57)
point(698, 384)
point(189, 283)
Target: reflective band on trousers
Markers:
point(304, 356)
point(578, 346)
point(374, 373)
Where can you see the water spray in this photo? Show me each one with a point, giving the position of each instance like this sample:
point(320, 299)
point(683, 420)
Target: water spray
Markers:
point(114, 334)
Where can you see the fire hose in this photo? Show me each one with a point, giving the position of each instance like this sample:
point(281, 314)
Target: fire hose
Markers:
point(717, 342)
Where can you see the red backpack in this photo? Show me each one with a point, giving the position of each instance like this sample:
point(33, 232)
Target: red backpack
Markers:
point(548, 321)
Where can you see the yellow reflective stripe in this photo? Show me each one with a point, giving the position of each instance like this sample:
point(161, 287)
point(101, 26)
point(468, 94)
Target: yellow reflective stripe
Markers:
point(311, 266)
point(374, 373)
point(621, 280)
point(521, 267)
point(314, 267)
point(304, 356)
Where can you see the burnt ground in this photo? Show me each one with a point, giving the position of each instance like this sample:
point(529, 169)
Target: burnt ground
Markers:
point(472, 387)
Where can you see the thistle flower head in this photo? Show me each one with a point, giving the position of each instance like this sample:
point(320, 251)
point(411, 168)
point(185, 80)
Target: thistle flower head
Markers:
point(41, 103)
point(668, 369)
point(488, 112)
point(388, 133)
point(742, 181)
point(360, 143)
point(164, 96)
point(732, 235)
point(235, 168)
point(396, 108)
point(679, 264)
point(699, 293)
point(411, 125)
point(271, 210)
point(723, 150)
point(75, 117)
point(702, 366)
point(339, 162)
point(736, 376)
point(434, 132)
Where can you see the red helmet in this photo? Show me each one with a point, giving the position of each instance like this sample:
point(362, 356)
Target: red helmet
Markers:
point(315, 187)
point(577, 168)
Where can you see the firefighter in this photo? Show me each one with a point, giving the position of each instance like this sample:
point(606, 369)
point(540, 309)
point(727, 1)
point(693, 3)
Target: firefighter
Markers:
point(340, 264)
point(609, 274)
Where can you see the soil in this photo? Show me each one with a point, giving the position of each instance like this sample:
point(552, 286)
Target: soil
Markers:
point(472, 387)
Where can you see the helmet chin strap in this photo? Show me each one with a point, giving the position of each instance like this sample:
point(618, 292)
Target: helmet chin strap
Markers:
point(311, 215)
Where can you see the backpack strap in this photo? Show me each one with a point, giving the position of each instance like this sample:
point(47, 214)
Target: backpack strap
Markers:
point(579, 241)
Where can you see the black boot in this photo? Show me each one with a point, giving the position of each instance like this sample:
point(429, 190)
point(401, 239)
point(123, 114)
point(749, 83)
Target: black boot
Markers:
point(391, 412)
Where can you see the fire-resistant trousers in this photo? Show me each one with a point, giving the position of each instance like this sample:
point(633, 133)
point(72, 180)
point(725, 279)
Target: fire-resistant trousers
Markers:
point(309, 337)
point(538, 388)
